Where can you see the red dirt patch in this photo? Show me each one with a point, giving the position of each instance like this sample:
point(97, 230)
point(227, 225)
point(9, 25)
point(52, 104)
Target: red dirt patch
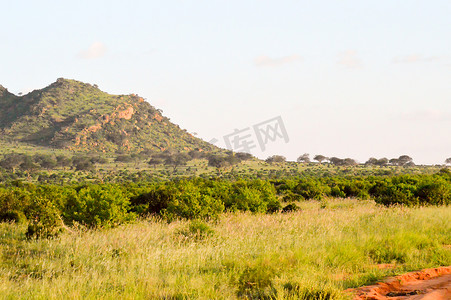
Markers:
point(428, 284)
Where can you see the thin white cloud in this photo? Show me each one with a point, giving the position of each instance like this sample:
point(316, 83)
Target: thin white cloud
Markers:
point(96, 50)
point(414, 58)
point(265, 61)
point(349, 59)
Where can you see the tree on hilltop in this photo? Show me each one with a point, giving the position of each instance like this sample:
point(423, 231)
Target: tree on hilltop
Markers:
point(244, 156)
point(304, 158)
point(377, 162)
point(371, 161)
point(382, 162)
point(343, 162)
point(403, 160)
point(276, 159)
point(320, 158)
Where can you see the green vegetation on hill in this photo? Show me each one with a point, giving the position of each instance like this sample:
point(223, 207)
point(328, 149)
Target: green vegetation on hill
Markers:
point(77, 116)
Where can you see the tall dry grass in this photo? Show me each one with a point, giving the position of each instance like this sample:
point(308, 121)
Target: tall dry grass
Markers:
point(312, 254)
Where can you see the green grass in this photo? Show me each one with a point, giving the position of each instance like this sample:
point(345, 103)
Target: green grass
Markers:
point(317, 252)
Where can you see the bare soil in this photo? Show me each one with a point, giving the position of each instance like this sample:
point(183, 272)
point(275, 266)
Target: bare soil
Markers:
point(428, 284)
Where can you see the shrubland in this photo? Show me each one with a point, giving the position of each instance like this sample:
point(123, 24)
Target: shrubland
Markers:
point(308, 235)
point(48, 208)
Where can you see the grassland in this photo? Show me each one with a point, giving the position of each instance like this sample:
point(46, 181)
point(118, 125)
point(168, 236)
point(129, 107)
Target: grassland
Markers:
point(320, 251)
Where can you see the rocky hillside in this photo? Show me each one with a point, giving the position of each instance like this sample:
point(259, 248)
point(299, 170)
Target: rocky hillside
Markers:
point(73, 115)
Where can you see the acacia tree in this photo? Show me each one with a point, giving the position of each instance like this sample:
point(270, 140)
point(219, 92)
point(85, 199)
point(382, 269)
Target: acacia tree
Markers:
point(320, 158)
point(377, 162)
point(276, 159)
point(218, 161)
point(350, 162)
point(403, 160)
point(176, 160)
point(382, 162)
point(28, 164)
point(195, 154)
point(12, 161)
point(394, 162)
point(83, 163)
point(223, 161)
point(343, 162)
point(304, 158)
point(63, 161)
point(45, 161)
point(154, 161)
point(244, 156)
point(336, 161)
point(448, 161)
point(371, 161)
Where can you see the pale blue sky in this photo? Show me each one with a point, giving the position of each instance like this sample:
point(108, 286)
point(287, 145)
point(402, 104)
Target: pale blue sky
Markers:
point(349, 78)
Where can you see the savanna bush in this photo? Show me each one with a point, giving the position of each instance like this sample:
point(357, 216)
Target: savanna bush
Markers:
point(153, 201)
point(197, 230)
point(312, 189)
point(98, 205)
point(254, 196)
point(413, 190)
point(44, 219)
point(192, 202)
point(434, 191)
point(388, 193)
point(13, 204)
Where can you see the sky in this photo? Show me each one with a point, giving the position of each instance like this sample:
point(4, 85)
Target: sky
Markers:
point(347, 78)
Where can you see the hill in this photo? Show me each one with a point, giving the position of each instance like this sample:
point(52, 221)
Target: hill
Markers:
point(77, 116)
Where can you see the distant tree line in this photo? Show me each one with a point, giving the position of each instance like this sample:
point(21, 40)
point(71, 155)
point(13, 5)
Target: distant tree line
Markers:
point(217, 160)
point(25, 162)
point(403, 160)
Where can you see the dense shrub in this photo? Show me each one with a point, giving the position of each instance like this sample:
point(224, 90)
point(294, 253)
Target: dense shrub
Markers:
point(96, 205)
point(197, 230)
point(413, 190)
point(388, 193)
point(356, 189)
point(153, 202)
point(336, 191)
point(312, 189)
point(14, 202)
point(434, 191)
point(254, 196)
point(43, 206)
point(44, 219)
point(190, 202)
point(289, 196)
